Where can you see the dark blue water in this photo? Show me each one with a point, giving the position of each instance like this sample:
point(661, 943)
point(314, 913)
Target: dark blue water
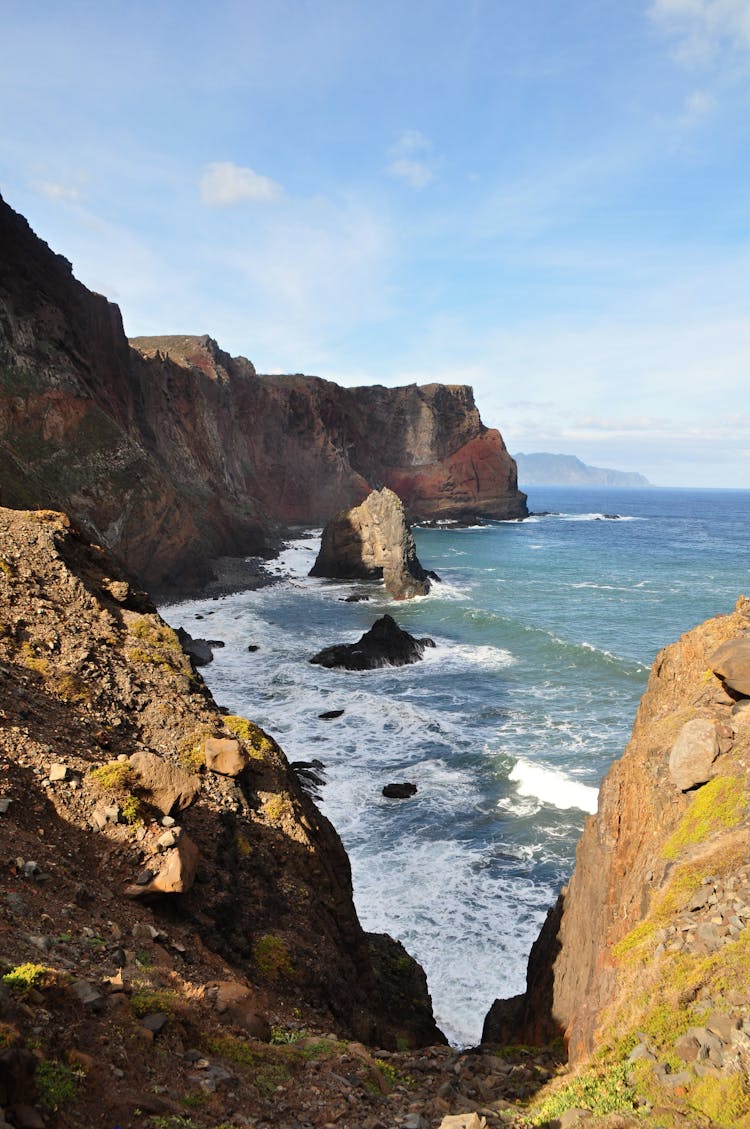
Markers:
point(546, 630)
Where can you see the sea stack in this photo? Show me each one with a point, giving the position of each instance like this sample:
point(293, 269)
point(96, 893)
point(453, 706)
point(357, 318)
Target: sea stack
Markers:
point(371, 541)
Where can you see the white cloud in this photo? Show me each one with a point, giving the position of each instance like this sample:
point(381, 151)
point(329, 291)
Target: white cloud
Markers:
point(698, 106)
point(410, 159)
point(701, 28)
point(67, 193)
point(224, 183)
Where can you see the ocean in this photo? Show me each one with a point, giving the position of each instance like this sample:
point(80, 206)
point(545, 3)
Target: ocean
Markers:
point(545, 632)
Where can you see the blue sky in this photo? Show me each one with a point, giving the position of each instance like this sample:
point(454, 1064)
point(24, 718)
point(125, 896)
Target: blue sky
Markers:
point(549, 201)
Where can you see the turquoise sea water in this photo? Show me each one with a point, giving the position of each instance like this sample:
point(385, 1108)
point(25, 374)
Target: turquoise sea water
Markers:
point(546, 630)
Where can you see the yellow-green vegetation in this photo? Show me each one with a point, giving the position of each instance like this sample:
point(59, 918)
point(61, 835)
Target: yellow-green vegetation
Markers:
point(117, 781)
point(157, 645)
point(601, 1089)
point(393, 1076)
point(717, 805)
point(190, 749)
point(6, 568)
point(70, 688)
point(148, 1001)
point(272, 958)
point(271, 1067)
point(277, 808)
point(725, 1100)
point(260, 744)
point(242, 844)
point(31, 660)
point(56, 1083)
point(26, 976)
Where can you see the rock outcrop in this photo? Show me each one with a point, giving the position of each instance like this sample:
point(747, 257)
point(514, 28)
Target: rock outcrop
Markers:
point(370, 542)
point(649, 940)
point(171, 453)
point(385, 644)
point(120, 774)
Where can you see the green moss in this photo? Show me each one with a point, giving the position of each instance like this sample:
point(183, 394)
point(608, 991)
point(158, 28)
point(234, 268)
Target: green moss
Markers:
point(56, 1083)
point(684, 882)
point(6, 568)
point(719, 804)
point(130, 810)
point(70, 688)
point(272, 958)
point(26, 976)
point(28, 657)
point(260, 744)
point(243, 846)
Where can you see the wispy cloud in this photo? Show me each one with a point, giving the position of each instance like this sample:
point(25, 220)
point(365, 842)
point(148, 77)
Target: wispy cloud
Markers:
point(701, 29)
point(66, 193)
point(223, 183)
point(411, 159)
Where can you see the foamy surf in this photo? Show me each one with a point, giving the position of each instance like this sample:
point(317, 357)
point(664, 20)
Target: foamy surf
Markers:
point(553, 787)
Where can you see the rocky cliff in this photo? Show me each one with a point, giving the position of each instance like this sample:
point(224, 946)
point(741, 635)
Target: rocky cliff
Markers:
point(172, 453)
point(644, 960)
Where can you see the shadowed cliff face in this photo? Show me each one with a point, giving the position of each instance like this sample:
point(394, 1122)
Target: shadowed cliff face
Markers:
point(172, 453)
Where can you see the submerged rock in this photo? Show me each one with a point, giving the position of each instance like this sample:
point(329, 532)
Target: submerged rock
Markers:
point(385, 644)
point(399, 791)
point(370, 541)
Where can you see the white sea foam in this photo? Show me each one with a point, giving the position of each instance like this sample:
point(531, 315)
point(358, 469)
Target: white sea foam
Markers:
point(553, 787)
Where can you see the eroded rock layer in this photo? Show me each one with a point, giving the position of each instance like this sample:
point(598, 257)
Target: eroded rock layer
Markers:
point(172, 453)
point(646, 950)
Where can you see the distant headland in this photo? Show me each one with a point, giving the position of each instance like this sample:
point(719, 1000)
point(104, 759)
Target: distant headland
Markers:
point(545, 469)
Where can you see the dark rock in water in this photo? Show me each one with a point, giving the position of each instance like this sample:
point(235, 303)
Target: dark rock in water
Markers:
point(309, 779)
point(385, 644)
point(198, 650)
point(253, 647)
point(399, 791)
point(214, 642)
point(329, 715)
point(370, 541)
point(353, 599)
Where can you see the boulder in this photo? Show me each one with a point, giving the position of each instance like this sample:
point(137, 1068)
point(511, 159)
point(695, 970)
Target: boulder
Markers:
point(177, 871)
point(371, 541)
point(693, 753)
point(731, 663)
point(399, 791)
point(244, 1007)
point(225, 755)
point(385, 644)
point(197, 650)
point(167, 785)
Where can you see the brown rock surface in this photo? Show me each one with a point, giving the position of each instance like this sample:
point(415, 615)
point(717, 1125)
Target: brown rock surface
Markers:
point(167, 786)
point(272, 899)
point(731, 662)
point(225, 755)
point(641, 857)
point(371, 541)
point(214, 456)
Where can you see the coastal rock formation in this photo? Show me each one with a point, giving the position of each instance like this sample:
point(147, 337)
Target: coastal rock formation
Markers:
point(650, 938)
point(371, 541)
point(121, 780)
point(171, 453)
point(385, 644)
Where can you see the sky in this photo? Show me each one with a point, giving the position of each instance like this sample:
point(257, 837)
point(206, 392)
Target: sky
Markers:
point(547, 200)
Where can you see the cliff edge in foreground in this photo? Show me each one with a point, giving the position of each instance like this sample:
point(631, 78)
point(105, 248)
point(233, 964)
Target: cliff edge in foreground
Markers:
point(644, 963)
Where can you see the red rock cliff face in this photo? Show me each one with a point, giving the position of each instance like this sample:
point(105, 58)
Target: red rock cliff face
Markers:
point(641, 858)
point(171, 453)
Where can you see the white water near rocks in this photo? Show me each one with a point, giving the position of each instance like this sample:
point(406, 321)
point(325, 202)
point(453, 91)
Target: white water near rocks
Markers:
point(545, 632)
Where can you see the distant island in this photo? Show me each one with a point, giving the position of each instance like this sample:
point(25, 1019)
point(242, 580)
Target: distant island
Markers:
point(545, 469)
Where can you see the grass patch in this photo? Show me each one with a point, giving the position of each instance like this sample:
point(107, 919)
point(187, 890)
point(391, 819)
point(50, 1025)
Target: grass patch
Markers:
point(272, 958)
point(725, 1101)
point(718, 805)
point(156, 645)
point(148, 1002)
point(116, 778)
point(190, 750)
point(32, 661)
point(56, 1083)
point(601, 1090)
